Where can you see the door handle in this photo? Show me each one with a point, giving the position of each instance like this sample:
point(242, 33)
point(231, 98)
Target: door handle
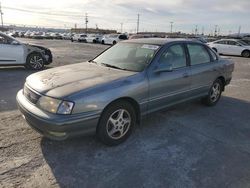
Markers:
point(185, 75)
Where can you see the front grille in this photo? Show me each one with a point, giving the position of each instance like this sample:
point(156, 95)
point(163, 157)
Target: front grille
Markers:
point(30, 95)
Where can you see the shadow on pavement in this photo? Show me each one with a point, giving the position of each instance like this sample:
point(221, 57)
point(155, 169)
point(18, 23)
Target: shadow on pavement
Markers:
point(186, 146)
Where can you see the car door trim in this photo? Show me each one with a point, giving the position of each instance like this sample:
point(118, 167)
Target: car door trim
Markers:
point(172, 94)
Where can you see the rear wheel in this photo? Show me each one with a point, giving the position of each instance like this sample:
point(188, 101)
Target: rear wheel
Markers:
point(35, 61)
point(103, 42)
point(114, 42)
point(116, 123)
point(246, 53)
point(214, 93)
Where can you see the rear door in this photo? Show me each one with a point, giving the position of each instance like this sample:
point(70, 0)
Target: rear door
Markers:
point(204, 72)
point(167, 88)
point(10, 53)
point(221, 46)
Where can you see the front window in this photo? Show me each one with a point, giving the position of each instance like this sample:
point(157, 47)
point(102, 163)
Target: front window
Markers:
point(243, 43)
point(198, 54)
point(175, 56)
point(128, 56)
point(4, 39)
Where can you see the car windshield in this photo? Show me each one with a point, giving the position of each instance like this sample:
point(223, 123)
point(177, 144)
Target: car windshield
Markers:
point(127, 56)
point(243, 43)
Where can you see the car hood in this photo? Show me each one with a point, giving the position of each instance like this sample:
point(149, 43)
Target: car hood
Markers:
point(62, 81)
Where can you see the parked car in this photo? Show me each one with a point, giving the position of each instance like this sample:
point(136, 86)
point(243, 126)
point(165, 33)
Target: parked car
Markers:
point(79, 38)
point(231, 47)
point(113, 38)
point(110, 94)
point(138, 36)
point(95, 38)
point(14, 52)
point(67, 36)
point(56, 36)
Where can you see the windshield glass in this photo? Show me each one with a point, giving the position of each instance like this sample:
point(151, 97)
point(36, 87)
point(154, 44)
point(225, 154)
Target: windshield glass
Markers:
point(243, 43)
point(127, 56)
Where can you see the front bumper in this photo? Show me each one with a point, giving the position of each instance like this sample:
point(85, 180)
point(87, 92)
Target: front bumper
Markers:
point(55, 126)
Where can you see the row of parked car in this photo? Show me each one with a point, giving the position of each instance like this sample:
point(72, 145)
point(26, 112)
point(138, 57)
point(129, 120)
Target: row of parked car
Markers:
point(97, 38)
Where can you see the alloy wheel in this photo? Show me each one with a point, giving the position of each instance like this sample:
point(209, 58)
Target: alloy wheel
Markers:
point(215, 92)
point(118, 124)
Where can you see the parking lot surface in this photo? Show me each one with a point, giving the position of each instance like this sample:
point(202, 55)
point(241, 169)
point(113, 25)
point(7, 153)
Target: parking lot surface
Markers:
point(189, 145)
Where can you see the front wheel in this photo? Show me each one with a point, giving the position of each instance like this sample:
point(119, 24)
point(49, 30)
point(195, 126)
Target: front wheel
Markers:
point(116, 123)
point(214, 93)
point(35, 61)
point(246, 53)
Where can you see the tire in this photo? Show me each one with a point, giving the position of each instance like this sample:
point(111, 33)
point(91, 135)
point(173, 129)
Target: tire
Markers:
point(116, 123)
point(114, 42)
point(214, 93)
point(34, 61)
point(103, 42)
point(245, 53)
point(215, 49)
point(94, 41)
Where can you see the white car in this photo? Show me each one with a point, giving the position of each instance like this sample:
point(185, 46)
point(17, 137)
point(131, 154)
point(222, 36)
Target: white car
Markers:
point(230, 47)
point(95, 38)
point(113, 38)
point(79, 38)
point(14, 52)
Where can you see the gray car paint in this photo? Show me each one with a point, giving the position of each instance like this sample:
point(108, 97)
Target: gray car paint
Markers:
point(92, 87)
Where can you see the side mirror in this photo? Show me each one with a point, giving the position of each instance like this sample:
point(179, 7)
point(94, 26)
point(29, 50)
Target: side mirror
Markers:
point(162, 67)
point(14, 43)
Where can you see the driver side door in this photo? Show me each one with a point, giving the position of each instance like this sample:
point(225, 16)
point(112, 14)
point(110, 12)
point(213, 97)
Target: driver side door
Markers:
point(10, 53)
point(171, 86)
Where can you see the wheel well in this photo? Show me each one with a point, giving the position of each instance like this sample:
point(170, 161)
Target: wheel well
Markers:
point(215, 49)
point(246, 50)
point(133, 102)
point(222, 79)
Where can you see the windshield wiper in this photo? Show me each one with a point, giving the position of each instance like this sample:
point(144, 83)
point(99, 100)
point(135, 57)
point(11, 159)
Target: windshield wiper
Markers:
point(92, 61)
point(111, 66)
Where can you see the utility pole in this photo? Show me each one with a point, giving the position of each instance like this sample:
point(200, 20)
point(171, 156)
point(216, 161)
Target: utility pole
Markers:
point(121, 27)
point(215, 30)
point(138, 23)
point(171, 27)
point(1, 12)
point(239, 30)
point(86, 22)
point(196, 29)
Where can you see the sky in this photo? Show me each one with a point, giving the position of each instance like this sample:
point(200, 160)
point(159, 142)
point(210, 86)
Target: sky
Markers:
point(229, 15)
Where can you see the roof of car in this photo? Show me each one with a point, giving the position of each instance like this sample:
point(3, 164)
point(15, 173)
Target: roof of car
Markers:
point(157, 41)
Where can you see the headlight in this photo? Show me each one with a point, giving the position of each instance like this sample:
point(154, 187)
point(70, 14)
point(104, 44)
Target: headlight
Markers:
point(65, 107)
point(55, 105)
